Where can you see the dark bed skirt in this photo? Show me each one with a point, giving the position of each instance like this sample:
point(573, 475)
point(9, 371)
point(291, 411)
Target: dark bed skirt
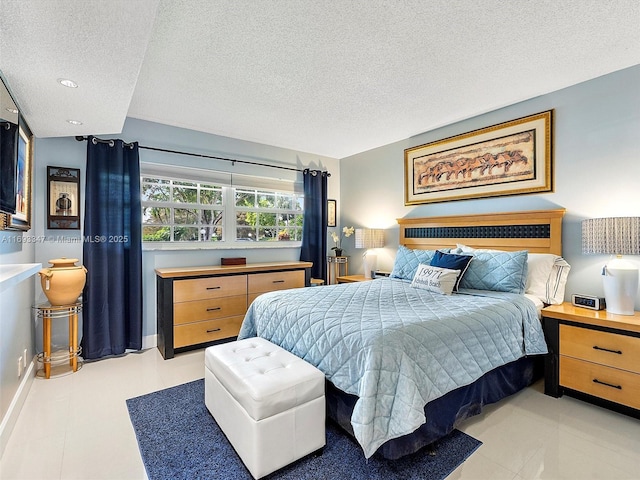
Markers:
point(446, 412)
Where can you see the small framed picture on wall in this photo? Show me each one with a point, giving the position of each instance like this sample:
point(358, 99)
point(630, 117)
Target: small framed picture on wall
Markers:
point(331, 213)
point(63, 198)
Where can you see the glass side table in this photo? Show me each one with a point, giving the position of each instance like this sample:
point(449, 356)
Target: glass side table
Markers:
point(336, 267)
point(61, 361)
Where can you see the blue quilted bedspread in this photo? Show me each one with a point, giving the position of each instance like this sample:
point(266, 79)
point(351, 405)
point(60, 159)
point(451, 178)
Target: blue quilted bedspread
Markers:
point(394, 346)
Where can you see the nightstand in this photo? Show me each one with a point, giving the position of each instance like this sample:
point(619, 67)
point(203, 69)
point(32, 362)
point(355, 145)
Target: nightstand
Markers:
point(352, 279)
point(336, 266)
point(593, 356)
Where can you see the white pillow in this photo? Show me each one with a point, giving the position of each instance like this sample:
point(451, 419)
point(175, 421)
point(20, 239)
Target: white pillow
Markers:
point(435, 279)
point(546, 275)
point(554, 289)
point(539, 268)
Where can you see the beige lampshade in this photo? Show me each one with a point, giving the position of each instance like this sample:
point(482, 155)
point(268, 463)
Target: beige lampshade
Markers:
point(611, 235)
point(369, 238)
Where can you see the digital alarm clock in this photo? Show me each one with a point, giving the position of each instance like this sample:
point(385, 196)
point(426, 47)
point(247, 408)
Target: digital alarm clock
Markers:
point(588, 301)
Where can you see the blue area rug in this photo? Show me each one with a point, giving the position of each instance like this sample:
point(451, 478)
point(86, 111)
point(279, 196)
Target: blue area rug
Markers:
point(179, 439)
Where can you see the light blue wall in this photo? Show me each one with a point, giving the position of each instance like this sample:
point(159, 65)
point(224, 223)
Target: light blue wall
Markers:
point(16, 326)
point(71, 153)
point(596, 172)
point(40, 244)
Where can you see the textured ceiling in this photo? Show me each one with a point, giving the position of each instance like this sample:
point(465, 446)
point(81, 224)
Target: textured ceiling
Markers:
point(328, 77)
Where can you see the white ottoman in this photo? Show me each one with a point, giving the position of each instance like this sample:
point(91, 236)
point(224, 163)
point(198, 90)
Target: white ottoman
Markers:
point(268, 402)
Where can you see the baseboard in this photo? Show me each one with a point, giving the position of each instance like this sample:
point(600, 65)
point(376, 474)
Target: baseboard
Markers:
point(10, 419)
point(149, 341)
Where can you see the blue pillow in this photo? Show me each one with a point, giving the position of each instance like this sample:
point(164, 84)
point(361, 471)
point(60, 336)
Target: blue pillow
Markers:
point(497, 271)
point(452, 262)
point(407, 261)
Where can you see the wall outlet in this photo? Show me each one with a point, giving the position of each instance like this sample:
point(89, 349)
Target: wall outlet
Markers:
point(19, 367)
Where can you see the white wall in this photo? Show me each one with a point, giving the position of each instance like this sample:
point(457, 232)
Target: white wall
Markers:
point(596, 172)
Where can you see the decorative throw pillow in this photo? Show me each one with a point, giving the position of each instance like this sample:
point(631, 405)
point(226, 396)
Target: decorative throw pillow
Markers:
point(407, 261)
point(452, 262)
point(546, 274)
point(497, 271)
point(435, 279)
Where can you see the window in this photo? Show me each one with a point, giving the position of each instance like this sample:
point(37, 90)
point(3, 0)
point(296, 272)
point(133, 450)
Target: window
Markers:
point(267, 215)
point(181, 210)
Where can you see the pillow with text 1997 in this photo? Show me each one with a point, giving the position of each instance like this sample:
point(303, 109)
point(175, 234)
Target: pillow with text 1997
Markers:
point(435, 279)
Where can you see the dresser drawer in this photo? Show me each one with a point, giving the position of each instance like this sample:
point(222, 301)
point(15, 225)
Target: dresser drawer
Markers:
point(210, 287)
point(188, 312)
point(604, 382)
point(620, 351)
point(206, 331)
point(268, 282)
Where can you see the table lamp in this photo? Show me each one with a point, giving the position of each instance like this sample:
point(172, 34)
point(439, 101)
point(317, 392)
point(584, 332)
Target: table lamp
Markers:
point(615, 236)
point(369, 238)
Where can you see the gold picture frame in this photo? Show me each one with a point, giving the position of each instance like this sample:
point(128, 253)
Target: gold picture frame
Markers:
point(21, 220)
point(511, 158)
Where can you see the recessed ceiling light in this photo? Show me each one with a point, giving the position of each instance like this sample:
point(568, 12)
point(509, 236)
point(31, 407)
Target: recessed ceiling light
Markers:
point(67, 83)
point(11, 110)
point(74, 122)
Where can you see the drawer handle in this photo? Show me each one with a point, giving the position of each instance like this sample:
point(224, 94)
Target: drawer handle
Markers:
point(278, 281)
point(619, 352)
point(619, 387)
point(213, 309)
point(213, 288)
point(217, 330)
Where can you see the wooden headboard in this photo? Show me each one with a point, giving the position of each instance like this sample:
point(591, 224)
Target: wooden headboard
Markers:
point(539, 231)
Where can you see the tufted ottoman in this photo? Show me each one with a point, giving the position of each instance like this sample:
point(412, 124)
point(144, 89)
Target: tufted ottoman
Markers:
point(268, 402)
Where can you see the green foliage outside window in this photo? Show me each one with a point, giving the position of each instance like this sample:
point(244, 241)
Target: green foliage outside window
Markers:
point(188, 211)
point(268, 216)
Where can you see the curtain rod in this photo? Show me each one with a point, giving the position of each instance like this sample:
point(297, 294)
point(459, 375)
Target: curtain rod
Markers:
point(177, 152)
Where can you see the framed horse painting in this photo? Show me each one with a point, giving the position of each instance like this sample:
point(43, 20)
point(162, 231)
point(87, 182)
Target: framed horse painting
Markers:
point(510, 158)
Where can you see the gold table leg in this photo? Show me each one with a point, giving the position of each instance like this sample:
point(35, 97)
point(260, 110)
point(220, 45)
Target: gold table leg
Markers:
point(46, 343)
point(73, 339)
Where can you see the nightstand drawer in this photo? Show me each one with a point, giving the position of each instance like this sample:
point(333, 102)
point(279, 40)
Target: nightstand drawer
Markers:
point(189, 312)
point(620, 351)
point(207, 331)
point(211, 287)
point(604, 382)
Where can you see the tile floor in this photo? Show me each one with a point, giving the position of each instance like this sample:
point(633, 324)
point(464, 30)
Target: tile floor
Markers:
point(77, 427)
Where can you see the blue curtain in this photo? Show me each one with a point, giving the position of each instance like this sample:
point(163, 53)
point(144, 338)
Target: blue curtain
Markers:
point(112, 319)
point(314, 228)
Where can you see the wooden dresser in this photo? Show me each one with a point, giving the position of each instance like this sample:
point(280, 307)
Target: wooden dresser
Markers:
point(593, 355)
point(199, 306)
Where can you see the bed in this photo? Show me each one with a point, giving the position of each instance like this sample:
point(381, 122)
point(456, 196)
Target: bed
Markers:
point(407, 358)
